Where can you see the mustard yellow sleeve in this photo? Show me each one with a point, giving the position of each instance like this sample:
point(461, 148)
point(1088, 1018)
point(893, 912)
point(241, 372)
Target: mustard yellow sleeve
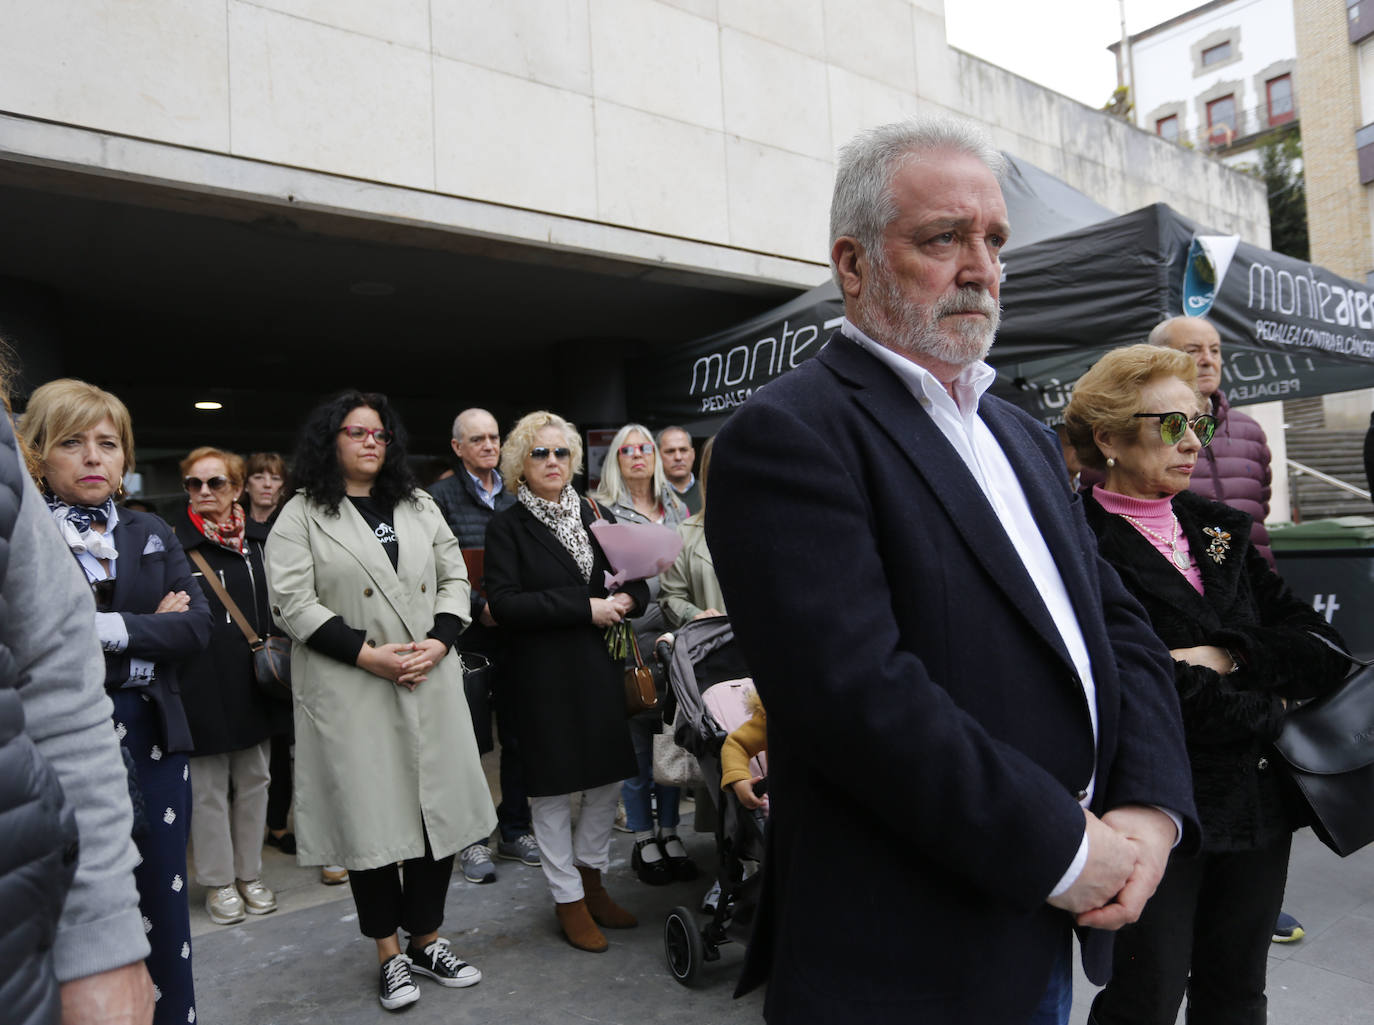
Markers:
point(741, 745)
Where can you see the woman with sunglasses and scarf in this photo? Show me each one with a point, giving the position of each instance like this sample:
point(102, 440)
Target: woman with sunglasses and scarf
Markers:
point(634, 487)
point(368, 580)
point(231, 718)
point(546, 586)
point(1244, 648)
point(151, 619)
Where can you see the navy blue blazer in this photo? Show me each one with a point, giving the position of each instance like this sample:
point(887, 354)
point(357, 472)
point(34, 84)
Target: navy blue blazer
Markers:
point(928, 733)
point(151, 563)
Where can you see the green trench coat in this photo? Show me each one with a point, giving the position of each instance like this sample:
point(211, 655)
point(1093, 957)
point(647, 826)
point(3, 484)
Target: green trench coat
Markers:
point(374, 760)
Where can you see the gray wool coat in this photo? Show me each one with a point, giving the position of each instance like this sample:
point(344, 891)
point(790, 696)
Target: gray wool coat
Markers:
point(374, 760)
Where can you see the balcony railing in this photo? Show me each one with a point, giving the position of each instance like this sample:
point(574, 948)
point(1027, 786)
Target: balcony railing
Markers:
point(1249, 123)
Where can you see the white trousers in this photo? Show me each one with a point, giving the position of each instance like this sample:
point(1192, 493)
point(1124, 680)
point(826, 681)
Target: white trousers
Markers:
point(226, 835)
point(563, 846)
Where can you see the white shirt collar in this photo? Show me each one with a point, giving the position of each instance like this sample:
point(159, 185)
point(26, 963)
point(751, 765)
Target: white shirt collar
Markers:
point(969, 386)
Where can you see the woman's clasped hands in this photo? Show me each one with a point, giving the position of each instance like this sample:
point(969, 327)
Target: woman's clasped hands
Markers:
point(405, 664)
point(610, 611)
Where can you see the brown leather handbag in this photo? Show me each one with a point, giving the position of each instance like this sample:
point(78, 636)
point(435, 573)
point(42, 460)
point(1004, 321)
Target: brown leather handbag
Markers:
point(640, 693)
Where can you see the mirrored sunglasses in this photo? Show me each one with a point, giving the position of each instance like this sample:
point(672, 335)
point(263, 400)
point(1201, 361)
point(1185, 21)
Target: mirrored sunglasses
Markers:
point(542, 452)
point(644, 449)
point(354, 432)
point(194, 484)
point(1173, 426)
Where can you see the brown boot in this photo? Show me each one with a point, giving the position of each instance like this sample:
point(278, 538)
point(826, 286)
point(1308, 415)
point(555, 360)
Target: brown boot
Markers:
point(607, 912)
point(579, 928)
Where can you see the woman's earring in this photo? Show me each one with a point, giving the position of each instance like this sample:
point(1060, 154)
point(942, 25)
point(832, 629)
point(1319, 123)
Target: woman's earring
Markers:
point(119, 488)
point(1110, 462)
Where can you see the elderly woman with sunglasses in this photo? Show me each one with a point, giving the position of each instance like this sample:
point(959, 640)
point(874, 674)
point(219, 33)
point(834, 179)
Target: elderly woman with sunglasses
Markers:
point(370, 583)
point(231, 718)
point(151, 618)
point(1244, 648)
point(634, 487)
point(546, 585)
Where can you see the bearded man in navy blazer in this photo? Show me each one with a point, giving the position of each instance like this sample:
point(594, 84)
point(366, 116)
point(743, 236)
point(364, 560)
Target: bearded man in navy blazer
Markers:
point(974, 741)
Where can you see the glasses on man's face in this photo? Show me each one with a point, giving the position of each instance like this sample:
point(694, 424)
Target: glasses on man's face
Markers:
point(1173, 426)
point(194, 484)
point(354, 432)
point(644, 449)
point(543, 452)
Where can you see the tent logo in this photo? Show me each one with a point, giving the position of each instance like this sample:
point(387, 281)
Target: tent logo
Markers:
point(1209, 257)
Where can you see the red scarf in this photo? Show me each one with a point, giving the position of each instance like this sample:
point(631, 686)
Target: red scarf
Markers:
point(226, 535)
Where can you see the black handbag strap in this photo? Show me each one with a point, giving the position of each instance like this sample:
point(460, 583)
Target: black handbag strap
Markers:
point(230, 606)
point(1341, 651)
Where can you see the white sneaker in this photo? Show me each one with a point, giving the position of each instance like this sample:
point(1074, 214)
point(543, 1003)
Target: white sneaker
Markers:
point(224, 905)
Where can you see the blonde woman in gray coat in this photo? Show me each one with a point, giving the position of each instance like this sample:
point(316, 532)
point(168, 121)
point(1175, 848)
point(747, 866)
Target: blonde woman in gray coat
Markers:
point(368, 580)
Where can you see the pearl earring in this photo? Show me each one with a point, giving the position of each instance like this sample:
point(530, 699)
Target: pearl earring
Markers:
point(1110, 462)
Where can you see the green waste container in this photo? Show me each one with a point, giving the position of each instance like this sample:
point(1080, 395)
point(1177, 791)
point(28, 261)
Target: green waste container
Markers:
point(1331, 564)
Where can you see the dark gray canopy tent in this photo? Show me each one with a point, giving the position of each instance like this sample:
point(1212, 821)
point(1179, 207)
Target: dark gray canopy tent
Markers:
point(1076, 282)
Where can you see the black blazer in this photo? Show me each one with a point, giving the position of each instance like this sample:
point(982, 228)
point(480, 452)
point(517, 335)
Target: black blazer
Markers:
point(569, 692)
point(1230, 722)
point(927, 729)
point(151, 563)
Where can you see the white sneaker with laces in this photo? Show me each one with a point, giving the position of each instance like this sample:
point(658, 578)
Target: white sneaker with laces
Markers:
point(439, 963)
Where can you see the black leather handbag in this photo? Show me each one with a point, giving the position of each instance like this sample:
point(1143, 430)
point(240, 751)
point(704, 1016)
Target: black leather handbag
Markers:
point(1328, 745)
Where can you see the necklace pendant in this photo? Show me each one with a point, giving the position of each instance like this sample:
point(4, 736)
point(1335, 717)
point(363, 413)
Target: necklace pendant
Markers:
point(1181, 559)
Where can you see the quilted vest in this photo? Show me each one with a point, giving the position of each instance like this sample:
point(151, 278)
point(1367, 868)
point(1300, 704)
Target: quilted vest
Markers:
point(38, 843)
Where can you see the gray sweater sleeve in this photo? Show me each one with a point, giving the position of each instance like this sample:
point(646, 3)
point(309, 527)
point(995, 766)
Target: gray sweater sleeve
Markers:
point(61, 685)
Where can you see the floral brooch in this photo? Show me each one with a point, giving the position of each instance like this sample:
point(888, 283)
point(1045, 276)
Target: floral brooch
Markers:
point(1220, 544)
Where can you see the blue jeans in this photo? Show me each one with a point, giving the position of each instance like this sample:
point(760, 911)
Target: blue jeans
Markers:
point(1058, 998)
point(637, 792)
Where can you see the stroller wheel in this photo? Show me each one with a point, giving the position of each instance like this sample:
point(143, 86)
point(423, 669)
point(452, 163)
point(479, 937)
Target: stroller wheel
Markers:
point(683, 946)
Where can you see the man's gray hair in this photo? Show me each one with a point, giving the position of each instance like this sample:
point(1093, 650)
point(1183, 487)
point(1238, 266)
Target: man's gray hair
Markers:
point(1161, 332)
point(863, 205)
point(658, 439)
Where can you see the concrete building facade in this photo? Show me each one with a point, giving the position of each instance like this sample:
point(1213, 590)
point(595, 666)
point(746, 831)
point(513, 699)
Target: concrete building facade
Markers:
point(502, 197)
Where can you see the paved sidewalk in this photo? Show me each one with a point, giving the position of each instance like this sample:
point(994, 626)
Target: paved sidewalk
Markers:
point(307, 963)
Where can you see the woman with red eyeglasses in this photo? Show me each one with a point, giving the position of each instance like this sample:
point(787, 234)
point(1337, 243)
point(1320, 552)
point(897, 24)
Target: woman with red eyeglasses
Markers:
point(231, 718)
point(368, 580)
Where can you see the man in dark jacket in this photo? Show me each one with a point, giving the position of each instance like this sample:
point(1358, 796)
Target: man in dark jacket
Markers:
point(468, 501)
point(1234, 468)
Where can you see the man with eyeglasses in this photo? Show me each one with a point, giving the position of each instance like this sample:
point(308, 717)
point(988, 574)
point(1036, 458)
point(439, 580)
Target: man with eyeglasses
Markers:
point(675, 448)
point(1234, 469)
point(468, 501)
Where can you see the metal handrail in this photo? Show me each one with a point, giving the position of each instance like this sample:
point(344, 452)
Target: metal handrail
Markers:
point(1326, 478)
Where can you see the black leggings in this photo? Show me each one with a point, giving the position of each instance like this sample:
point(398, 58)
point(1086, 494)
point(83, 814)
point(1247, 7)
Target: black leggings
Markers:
point(384, 904)
point(279, 790)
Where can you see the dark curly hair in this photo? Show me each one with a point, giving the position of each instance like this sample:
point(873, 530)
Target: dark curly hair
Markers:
point(316, 471)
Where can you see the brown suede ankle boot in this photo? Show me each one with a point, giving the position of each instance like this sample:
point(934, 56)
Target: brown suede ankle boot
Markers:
point(607, 912)
point(579, 928)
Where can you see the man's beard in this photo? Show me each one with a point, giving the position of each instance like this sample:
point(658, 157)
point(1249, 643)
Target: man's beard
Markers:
point(891, 318)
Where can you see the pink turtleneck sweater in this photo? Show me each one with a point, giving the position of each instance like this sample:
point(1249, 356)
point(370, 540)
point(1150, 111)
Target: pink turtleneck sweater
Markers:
point(1158, 515)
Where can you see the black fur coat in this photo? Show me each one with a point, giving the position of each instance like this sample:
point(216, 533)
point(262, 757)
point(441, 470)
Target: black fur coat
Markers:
point(1229, 721)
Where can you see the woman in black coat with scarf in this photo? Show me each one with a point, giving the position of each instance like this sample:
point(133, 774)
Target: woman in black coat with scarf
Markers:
point(1245, 647)
point(231, 718)
point(545, 577)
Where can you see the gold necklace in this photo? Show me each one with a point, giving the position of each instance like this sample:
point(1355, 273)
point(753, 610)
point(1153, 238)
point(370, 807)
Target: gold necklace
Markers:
point(1179, 557)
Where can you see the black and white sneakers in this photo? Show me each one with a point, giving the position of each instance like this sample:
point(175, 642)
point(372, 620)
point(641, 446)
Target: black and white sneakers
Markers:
point(439, 963)
point(397, 988)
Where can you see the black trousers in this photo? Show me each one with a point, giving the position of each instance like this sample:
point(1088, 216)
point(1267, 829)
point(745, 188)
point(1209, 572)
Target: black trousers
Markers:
point(513, 813)
point(1206, 933)
point(279, 790)
point(409, 897)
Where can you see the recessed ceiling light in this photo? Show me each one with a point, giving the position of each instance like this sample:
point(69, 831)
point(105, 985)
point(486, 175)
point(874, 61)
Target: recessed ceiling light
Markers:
point(209, 405)
point(372, 288)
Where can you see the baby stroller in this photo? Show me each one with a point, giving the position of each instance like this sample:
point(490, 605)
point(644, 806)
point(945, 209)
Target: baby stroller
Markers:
point(702, 656)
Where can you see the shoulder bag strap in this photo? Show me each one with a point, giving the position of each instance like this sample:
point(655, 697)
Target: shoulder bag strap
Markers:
point(595, 510)
point(251, 635)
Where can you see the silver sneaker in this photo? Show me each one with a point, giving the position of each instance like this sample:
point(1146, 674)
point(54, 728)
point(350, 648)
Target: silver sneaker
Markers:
point(524, 849)
point(476, 861)
point(224, 905)
point(257, 899)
